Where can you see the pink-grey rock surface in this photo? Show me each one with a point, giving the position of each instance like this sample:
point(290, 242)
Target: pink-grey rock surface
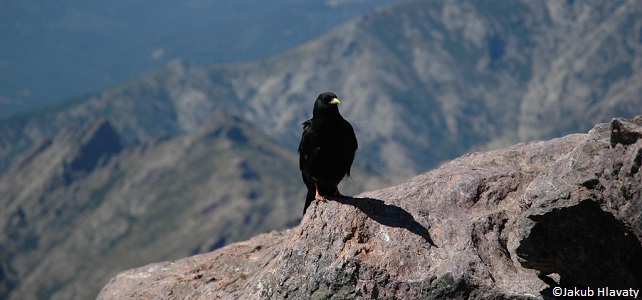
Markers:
point(504, 224)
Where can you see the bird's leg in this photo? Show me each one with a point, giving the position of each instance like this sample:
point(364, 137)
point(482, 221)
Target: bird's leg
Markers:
point(318, 196)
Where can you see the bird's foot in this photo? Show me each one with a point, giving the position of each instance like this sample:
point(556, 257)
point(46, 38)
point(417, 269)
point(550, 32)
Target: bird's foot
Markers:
point(321, 198)
point(318, 197)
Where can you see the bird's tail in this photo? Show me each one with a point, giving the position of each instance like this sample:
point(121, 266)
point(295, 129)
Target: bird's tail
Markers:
point(309, 198)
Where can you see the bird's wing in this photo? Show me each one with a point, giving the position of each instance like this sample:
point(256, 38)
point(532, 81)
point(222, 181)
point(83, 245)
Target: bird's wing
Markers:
point(352, 144)
point(353, 138)
point(305, 146)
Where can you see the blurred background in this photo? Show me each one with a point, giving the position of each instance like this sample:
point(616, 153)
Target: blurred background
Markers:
point(141, 131)
point(53, 51)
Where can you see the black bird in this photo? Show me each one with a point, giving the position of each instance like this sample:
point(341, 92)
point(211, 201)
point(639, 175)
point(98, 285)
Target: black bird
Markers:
point(327, 149)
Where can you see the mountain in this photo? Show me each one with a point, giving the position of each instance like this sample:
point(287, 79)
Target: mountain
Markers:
point(55, 51)
point(423, 85)
point(420, 85)
point(523, 222)
point(80, 207)
point(421, 81)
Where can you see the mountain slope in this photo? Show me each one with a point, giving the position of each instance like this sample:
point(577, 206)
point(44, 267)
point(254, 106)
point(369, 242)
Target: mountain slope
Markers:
point(419, 83)
point(423, 85)
point(73, 221)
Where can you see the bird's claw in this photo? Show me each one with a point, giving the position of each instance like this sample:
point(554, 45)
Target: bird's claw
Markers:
point(320, 198)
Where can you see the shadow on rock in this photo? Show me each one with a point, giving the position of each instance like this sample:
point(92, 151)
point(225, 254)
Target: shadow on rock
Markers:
point(387, 215)
point(585, 245)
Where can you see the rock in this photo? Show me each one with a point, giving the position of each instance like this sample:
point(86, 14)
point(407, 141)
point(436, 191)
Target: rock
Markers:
point(220, 274)
point(509, 223)
point(582, 217)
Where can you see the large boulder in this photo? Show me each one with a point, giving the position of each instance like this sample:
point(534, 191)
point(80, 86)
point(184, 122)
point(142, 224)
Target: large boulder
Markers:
point(511, 223)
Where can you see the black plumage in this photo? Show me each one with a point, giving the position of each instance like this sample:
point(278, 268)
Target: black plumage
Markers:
point(327, 149)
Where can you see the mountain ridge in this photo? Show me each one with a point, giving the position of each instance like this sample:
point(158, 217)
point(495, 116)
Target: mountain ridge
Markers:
point(72, 219)
point(414, 78)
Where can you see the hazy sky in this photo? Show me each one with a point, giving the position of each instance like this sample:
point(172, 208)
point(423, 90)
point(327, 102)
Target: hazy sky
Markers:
point(55, 51)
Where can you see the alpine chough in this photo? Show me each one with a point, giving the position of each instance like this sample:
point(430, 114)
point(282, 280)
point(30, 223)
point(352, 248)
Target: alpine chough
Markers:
point(327, 149)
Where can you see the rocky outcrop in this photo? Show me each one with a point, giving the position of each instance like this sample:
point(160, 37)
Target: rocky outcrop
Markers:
point(583, 213)
point(510, 223)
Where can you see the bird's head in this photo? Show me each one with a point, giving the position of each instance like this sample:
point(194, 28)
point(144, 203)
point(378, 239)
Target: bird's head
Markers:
point(326, 103)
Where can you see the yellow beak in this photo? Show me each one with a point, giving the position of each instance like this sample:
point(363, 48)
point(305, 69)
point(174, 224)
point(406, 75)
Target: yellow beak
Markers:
point(335, 101)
